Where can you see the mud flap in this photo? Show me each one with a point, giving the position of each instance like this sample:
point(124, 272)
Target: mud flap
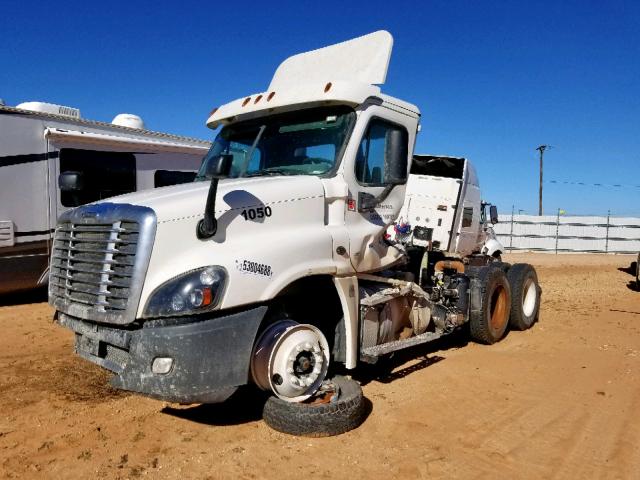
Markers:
point(475, 296)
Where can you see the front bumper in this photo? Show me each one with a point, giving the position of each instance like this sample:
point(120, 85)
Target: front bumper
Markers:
point(211, 358)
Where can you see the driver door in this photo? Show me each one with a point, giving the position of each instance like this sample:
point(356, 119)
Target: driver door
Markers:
point(375, 199)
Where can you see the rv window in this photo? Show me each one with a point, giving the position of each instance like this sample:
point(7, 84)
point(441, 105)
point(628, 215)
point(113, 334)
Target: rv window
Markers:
point(165, 178)
point(105, 174)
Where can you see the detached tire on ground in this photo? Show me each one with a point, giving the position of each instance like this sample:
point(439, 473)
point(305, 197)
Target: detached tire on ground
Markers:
point(525, 296)
point(344, 412)
point(490, 304)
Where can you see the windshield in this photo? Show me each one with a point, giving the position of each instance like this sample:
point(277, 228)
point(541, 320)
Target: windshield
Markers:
point(307, 142)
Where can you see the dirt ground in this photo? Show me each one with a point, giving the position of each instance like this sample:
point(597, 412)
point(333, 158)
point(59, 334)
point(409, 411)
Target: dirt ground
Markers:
point(561, 400)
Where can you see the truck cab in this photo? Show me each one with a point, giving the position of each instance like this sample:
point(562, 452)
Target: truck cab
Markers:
point(443, 209)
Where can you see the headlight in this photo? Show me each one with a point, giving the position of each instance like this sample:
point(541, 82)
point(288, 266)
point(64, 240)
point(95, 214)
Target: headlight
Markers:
point(192, 292)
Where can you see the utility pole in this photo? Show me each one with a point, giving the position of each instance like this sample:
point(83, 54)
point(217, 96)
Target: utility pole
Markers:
point(541, 149)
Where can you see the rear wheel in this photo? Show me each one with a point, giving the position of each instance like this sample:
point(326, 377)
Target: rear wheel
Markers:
point(491, 304)
point(638, 270)
point(525, 300)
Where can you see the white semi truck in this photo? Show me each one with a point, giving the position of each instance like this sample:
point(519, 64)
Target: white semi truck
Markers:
point(297, 253)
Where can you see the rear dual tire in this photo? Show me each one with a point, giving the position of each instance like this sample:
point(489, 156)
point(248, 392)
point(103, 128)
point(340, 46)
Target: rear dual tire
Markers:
point(491, 305)
point(525, 296)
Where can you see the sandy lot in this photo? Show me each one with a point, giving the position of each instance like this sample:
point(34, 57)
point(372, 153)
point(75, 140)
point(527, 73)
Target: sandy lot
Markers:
point(561, 400)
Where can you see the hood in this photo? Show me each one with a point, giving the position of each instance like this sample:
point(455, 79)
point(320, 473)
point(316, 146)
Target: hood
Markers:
point(188, 200)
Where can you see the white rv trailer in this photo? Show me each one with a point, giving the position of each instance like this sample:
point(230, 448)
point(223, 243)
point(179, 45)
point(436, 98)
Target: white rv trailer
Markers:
point(52, 159)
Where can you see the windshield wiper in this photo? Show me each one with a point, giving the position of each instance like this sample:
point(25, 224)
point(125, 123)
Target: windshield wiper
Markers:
point(245, 165)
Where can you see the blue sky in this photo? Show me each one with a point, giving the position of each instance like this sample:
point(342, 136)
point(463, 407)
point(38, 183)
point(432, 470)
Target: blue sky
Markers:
point(493, 79)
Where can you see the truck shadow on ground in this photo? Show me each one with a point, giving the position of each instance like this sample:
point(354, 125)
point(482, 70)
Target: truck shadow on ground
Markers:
point(244, 406)
point(37, 295)
point(633, 285)
point(631, 270)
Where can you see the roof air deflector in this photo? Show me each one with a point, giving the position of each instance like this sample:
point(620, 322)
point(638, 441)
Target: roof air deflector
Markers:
point(363, 60)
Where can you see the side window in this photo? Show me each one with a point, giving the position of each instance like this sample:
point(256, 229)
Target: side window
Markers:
point(374, 154)
point(104, 174)
point(467, 217)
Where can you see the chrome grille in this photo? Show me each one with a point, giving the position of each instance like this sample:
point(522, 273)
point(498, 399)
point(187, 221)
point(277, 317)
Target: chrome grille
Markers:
point(93, 264)
point(97, 263)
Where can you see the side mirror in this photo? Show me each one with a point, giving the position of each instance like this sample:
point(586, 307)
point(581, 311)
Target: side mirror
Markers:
point(493, 214)
point(396, 155)
point(220, 167)
point(71, 181)
point(217, 169)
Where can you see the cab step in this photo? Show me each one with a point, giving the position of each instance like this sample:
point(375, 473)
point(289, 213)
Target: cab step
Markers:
point(371, 354)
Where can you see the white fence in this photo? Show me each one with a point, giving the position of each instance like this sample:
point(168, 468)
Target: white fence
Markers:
point(559, 233)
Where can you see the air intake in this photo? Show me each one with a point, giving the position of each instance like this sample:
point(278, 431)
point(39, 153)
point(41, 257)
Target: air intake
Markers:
point(50, 108)
point(128, 120)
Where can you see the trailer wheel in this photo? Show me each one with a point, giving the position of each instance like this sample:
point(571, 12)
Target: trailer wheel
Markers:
point(490, 305)
point(338, 407)
point(525, 296)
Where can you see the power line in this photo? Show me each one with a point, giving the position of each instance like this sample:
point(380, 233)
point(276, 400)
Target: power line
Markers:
point(588, 184)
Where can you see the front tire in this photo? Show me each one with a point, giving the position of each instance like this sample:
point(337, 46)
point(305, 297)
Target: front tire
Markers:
point(344, 410)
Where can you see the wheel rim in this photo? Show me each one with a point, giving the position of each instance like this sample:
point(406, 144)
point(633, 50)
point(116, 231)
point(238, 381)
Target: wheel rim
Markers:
point(291, 360)
point(498, 311)
point(529, 297)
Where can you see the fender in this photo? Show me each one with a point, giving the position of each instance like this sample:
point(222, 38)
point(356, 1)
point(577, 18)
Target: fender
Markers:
point(491, 247)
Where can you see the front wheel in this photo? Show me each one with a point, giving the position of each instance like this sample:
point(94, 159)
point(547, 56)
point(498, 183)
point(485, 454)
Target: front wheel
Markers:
point(290, 359)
